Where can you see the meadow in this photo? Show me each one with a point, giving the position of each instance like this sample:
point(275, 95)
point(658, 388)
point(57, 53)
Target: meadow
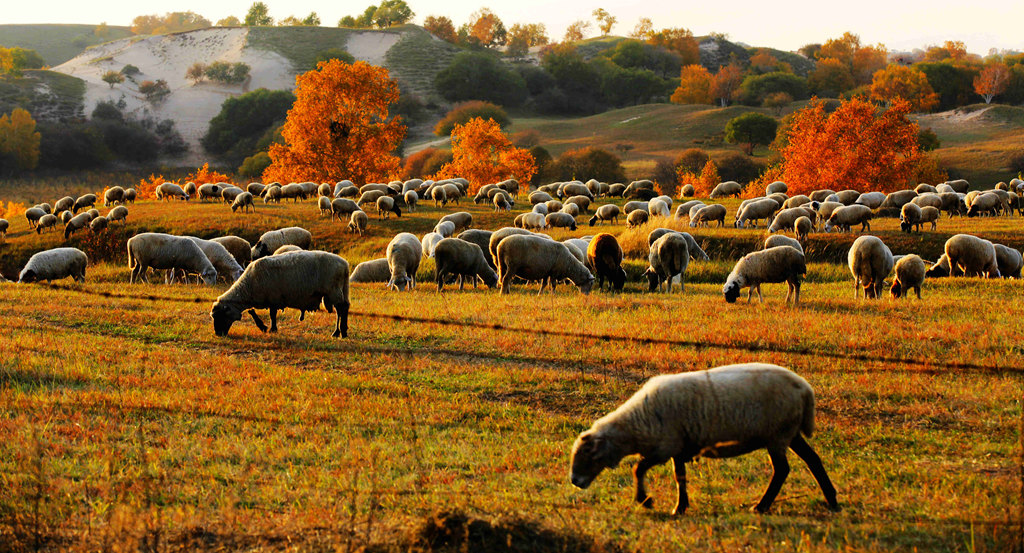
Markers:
point(444, 421)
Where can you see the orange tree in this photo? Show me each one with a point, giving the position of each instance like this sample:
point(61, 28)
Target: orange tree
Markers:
point(857, 146)
point(907, 83)
point(482, 154)
point(339, 126)
point(694, 86)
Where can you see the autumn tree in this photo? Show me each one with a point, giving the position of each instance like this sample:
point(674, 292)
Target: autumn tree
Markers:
point(258, 15)
point(906, 83)
point(764, 62)
point(867, 60)
point(112, 78)
point(229, 21)
point(953, 50)
point(576, 31)
point(706, 181)
point(441, 27)
point(831, 77)
point(678, 40)
point(605, 21)
point(523, 36)
point(643, 29)
point(776, 101)
point(195, 72)
point(857, 146)
point(484, 29)
point(19, 142)
point(751, 129)
point(339, 127)
point(726, 82)
point(482, 154)
point(173, 22)
point(694, 86)
point(992, 81)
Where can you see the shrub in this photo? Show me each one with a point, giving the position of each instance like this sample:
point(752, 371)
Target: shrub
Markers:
point(154, 91)
point(1017, 162)
point(332, 54)
point(927, 140)
point(462, 113)
point(227, 73)
point(542, 159)
point(738, 167)
point(666, 177)
point(72, 147)
point(756, 88)
point(130, 70)
point(691, 161)
point(588, 163)
point(480, 76)
point(235, 132)
point(254, 165)
point(526, 139)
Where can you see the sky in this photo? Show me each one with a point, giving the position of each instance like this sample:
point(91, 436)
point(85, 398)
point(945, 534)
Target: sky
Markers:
point(782, 24)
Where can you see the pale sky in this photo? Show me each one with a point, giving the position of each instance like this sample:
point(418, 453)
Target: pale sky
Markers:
point(782, 24)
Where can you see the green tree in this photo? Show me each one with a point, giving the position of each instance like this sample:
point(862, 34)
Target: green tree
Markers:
point(253, 166)
point(229, 21)
point(480, 76)
point(258, 15)
point(953, 83)
point(588, 163)
point(751, 129)
point(755, 88)
point(576, 78)
point(332, 54)
point(311, 20)
point(464, 112)
point(243, 122)
point(392, 12)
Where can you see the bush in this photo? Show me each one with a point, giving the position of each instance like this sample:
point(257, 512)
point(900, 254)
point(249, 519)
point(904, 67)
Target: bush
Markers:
point(425, 162)
point(542, 159)
point(526, 139)
point(154, 91)
point(332, 54)
point(927, 140)
point(71, 147)
point(588, 163)
point(462, 113)
point(536, 78)
point(130, 70)
point(227, 73)
point(738, 167)
point(691, 161)
point(1017, 162)
point(235, 132)
point(756, 88)
point(666, 176)
point(480, 76)
point(751, 129)
point(254, 165)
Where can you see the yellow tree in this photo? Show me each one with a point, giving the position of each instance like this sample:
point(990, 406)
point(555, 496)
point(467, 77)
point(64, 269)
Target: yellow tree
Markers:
point(19, 141)
point(906, 83)
point(482, 154)
point(830, 77)
point(992, 81)
point(694, 86)
point(726, 82)
point(339, 126)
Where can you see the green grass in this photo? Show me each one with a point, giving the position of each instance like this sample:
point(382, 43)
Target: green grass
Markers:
point(57, 43)
point(299, 45)
point(45, 94)
point(416, 59)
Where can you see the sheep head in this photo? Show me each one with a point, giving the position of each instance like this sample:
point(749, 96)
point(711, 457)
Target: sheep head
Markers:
point(591, 454)
point(224, 315)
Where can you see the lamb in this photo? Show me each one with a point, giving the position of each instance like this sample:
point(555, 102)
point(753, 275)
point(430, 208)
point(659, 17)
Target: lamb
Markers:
point(324, 204)
point(910, 272)
point(300, 280)
point(604, 255)
point(404, 254)
point(708, 213)
point(239, 248)
point(243, 201)
point(560, 220)
point(637, 218)
point(461, 219)
point(113, 195)
point(726, 189)
point(87, 200)
point(658, 208)
point(668, 256)
point(223, 262)
point(170, 190)
point(802, 227)
point(539, 258)
point(761, 208)
point(870, 261)
point(33, 215)
point(376, 270)
point(972, 256)
point(718, 413)
point(774, 240)
point(167, 252)
point(78, 222)
point(55, 264)
point(358, 221)
point(777, 186)
point(465, 259)
point(47, 221)
point(272, 194)
point(910, 217)
point(607, 212)
point(98, 224)
point(119, 213)
point(778, 264)
point(385, 206)
point(872, 200)
point(785, 219)
point(1009, 260)
point(273, 239)
point(847, 216)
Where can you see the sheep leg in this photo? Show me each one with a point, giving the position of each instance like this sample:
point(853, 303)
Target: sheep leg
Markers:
point(273, 319)
point(780, 470)
point(804, 450)
point(341, 326)
point(257, 320)
point(683, 500)
point(639, 472)
point(760, 298)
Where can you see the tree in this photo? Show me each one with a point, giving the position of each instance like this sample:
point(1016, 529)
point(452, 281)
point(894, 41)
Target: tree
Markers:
point(258, 15)
point(254, 165)
point(587, 163)
point(764, 62)
point(751, 129)
point(576, 79)
point(441, 27)
point(102, 30)
point(678, 40)
point(810, 51)
point(755, 88)
point(480, 76)
point(842, 48)
point(339, 127)
point(290, 21)
point(482, 154)
point(830, 78)
point(195, 72)
point(707, 181)
point(951, 50)
point(311, 20)
point(14, 60)
point(484, 29)
point(694, 86)
point(19, 141)
point(466, 111)
point(332, 54)
point(576, 31)
point(229, 21)
point(227, 73)
point(112, 78)
point(605, 21)
point(776, 101)
point(953, 83)
point(173, 22)
point(867, 60)
point(244, 121)
point(392, 12)
point(154, 91)
point(992, 81)
point(644, 28)
point(856, 146)
point(521, 37)
point(906, 83)
point(726, 82)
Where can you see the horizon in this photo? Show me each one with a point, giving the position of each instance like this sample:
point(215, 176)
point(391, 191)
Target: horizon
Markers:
point(915, 24)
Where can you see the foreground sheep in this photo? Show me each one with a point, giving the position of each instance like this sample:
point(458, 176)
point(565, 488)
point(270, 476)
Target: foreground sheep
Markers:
point(972, 256)
point(696, 252)
point(239, 248)
point(910, 271)
point(605, 257)
point(48, 221)
point(778, 264)
point(1009, 260)
point(539, 258)
point(560, 220)
point(499, 235)
point(719, 413)
point(404, 254)
point(170, 253)
point(358, 222)
point(271, 240)
point(55, 264)
point(453, 256)
point(637, 218)
point(870, 261)
point(300, 280)
point(376, 270)
point(668, 257)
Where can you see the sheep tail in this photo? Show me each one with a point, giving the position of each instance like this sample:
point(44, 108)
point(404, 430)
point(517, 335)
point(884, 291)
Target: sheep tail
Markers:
point(807, 425)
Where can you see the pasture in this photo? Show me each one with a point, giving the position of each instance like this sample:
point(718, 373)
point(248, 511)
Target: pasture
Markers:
point(444, 421)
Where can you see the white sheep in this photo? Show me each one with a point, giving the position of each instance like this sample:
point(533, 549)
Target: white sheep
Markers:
point(48, 221)
point(404, 254)
point(98, 223)
point(708, 213)
point(386, 205)
point(78, 222)
point(376, 270)
point(726, 189)
point(300, 280)
point(844, 218)
point(358, 221)
point(774, 240)
point(796, 201)
point(324, 204)
point(637, 218)
point(239, 248)
point(499, 235)
point(272, 194)
point(445, 228)
point(540, 208)
point(972, 256)
point(113, 195)
point(718, 413)
point(778, 264)
point(785, 219)
point(170, 253)
point(535, 221)
point(230, 193)
point(635, 205)
point(539, 258)
point(755, 210)
point(777, 186)
point(67, 203)
point(119, 213)
point(684, 209)
point(658, 208)
point(225, 264)
point(910, 272)
point(287, 248)
point(55, 264)
point(273, 239)
point(1009, 260)
point(454, 256)
point(870, 261)
point(170, 190)
point(428, 242)
point(872, 200)
point(802, 227)
point(84, 201)
point(560, 220)
point(208, 191)
point(461, 219)
point(243, 201)
point(33, 215)
point(411, 199)
point(668, 257)
point(607, 212)
point(571, 210)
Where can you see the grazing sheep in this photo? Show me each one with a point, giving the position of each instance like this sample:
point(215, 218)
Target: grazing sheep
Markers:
point(113, 195)
point(604, 255)
point(255, 188)
point(93, 213)
point(445, 228)
point(726, 189)
point(87, 200)
point(535, 221)
point(539, 197)
point(630, 207)
point(358, 221)
point(55, 264)
point(825, 209)
point(208, 191)
point(872, 200)
point(896, 200)
point(820, 195)
point(538, 258)
point(244, 201)
point(572, 210)
point(502, 202)
point(802, 227)
point(929, 214)
point(642, 194)
point(910, 217)
point(190, 188)
point(222, 260)
point(170, 253)
point(239, 248)
point(65, 216)
point(607, 212)
point(540, 208)
point(453, 192)
point(939, 269)
point(294, 191)
point(924, 188)
point(927, 199)
point(499, 235)
point(119, 213)
point(984, 203)
point(78, 222)
point(718, 413)
point(582, 202)
point(411, 199)
point(404, 254)
point(67, 203)
point(272, 194)
point(708, 213)
point(684, 209)
point(845, 217)
point(848, 197)
point(324, 203)
point(273, 239)
point(167, 191)
point(775, 187)
point(370, 196)
point(687, 191)
point(48, 221)
point(959, 185)
point(230, 193)
point(553, 206)
point(343, 206)
point(98, 224)
point(755, 210)
point(668, 256)
point(376, 270)
point(33, 215)
point(300, 280)
point(560, 220)
point(325, 191)
point(385, 206)
point(428, 242)
point(778, 264)
point(1009, 260)
point(461, 219)
point(481, 238)
point(287, 249)
point(439, 196)
point(575, 188)
point(774, 240)
point(870, 261)
point(349, 191)
point(785, 219)
point(637, 218)
point(910, 272)
point(658, 208)
point(972, 256)
point(464, 259)
point(796, 201)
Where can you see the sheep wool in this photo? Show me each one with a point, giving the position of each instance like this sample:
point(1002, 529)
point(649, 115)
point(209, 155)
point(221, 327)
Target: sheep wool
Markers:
point(870, 261)
point(539, 258)
point(271, 240)
point(167, 252)
point(910, 272)
point(376, 270)
point(466, 260)
point(778, 264)
point(55, 264)
point(404, 254)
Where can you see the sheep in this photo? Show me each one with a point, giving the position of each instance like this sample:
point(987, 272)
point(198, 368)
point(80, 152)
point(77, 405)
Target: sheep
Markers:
point(65, 216)
point(607, 212)
point(273, 239)
point(439, 196)
point(753, 211)
point(774, 240)
point(668, 256)
point(244, 201)
point(683, 210)
point(343, 206)
point(939, 269)
point(208, 191)
point(499, 235)
point(959, 185)
point(272, 194)
point(847, 197)
point(984, 203)
point(604, 255)
point(287, 248)
point(583, 202)
point(553, 206)
point(47, 221)
point(785, 219)
point(910, 271)
point(540, 208)
point(404, 254)
point(119, 213)
point(718, 413)
point(687, 191)
point(239, 248)
point(539, 197)
point(923, 188)
point(910, 217)
point(658, 208)
point(696, 252)
point(376, 270)
point(98, 224)
point(349, 191)
point(896, 200)
point(502, 202)
point(777, 186)
point(483, 195)
point(87, 200)
point(358, 221)
point(255, 188)
point(461, 219)
point(453, 192)
point(820, 195)
point(190, 188)
point(575, 188)
point(535, 221)
point(481, 238)
point(572, 210)
point(445, 228)
point(67, 203)
point(642, 194)
point(847, 216)
point(4, 225)
point(300, 280)
point(778, 264)
point(795, 201)
point(637, 218)
point(385, 206)
point(708, 213)
point(169, 190)
point(872, 200)
point(78, 222)
point(411, 199)
point(1009, 260)
point(33, 215)
point(230, 193)
point(560, 220)
point(464, 259)
point(870, 261)
point(55, 264)
point(825, 209)
point(167, 252)
point(370, 196)
point(538, 258)
point(93, 213)
point(971, 256)
point(222, 260)
point(630, 207)
point(802, 227)
point(726, 189)
point(113, 195)
point(927, 199)
point(294, 191)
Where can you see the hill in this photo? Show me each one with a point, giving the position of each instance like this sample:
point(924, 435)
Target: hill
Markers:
point(58, 43)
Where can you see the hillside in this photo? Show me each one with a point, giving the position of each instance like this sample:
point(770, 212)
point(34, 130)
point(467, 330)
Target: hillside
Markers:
point(57, 43)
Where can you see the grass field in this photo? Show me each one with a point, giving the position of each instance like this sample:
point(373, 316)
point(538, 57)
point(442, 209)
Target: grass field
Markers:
point(444, 421)
point(57, 43)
